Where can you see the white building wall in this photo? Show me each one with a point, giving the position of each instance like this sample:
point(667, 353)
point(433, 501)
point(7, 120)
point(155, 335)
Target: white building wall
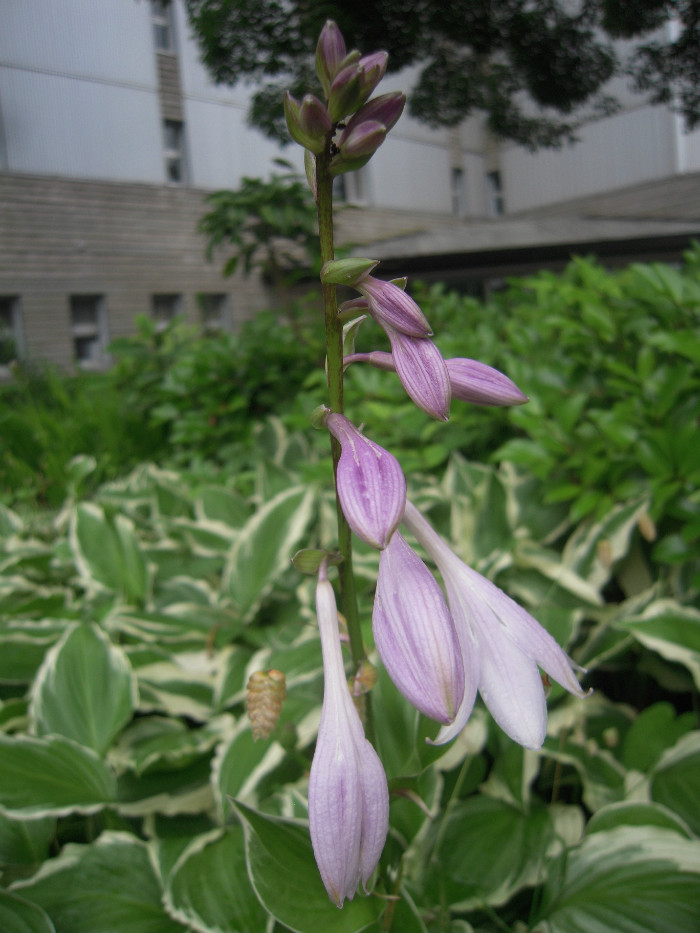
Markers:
point(630, 147)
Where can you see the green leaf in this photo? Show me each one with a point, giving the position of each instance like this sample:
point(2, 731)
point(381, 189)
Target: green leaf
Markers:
point(107, 886)
point(284, 875)
point(20, 916)
point(25, 842)
point(85, 689)
point(670, 629)
point(107, 552)
point(264, 548)
point(636, 879)
point(675, 782)
point(631, 813)
point(488, 851)
point(209, 888)
point(51, 776)
point(654, 730)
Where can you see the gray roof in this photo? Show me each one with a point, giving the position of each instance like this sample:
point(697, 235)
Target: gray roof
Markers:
point(656, 220)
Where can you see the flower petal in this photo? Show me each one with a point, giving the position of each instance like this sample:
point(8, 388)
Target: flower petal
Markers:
point(415, 635)
point(390, 306)
point(480, 384)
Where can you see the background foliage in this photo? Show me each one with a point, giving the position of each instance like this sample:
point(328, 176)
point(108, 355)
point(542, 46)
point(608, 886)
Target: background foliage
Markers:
point(133, 612)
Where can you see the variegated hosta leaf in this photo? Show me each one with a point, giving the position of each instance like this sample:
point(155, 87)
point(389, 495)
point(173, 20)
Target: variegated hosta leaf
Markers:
point(18, 915)
point(265, 546)
point(670, 629)
point(85, 689)
point(52, 776)
point(640, 879)
point(107, 552)
point(209, 889)
point(109, 885)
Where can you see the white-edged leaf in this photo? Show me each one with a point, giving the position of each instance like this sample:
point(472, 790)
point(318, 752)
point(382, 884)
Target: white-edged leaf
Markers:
point(636, 879)
point(20, 916)
point(51, 776)
point(107, 553)
point(110, 885)
point(208, 888)
point(675, 781)
point(85, 690)
point(670, 629)
point(265, 546)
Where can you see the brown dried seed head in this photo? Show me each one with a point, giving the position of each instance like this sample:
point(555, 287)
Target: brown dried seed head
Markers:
point(266, 691)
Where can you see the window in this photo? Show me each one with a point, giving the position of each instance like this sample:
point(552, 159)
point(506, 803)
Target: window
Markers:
point(162, 18)
point(164, 309)
point(352, 187)
point(11, 336)
point(213, 310)
point(459, 191)
point(88, 321)
point(494, 194)
point(174, 151)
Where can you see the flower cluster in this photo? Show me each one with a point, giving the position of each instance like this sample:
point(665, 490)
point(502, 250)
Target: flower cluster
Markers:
point(440, 647)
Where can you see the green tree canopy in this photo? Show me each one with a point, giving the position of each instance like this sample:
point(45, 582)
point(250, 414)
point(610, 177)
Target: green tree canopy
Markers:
point(496, 57)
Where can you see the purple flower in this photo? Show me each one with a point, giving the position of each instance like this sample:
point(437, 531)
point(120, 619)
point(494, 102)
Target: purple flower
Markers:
point(308, 123)
point(500, 642)
point(348, 793)
point(415, 635)
point(330, 54)
point(423, 373)
point(390, 306)
point(371, 485)
point(470, 380)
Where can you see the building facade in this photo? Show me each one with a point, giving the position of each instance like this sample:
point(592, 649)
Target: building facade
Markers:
point(112, 134)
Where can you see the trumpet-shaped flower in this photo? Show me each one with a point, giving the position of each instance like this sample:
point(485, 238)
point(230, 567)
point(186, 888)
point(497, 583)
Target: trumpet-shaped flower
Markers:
point(348, 793)
point(415, 635)
point(502, 641)
point(371, 485)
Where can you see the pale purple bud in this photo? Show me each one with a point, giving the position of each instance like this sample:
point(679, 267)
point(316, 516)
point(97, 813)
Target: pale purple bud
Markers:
point(385, 109)
point(423, 373)
point(500, 641)
point(476, 382)
point(348, 793)
point(373, 69)
point(390, 305)
point(362, 141)
point(370, 481)
point(470, 380)
point(308, 123)
point(330, 52)
point(415, 635)
point(345, 95)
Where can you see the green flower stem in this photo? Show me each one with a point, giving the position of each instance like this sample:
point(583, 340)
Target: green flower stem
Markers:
point(334, 357)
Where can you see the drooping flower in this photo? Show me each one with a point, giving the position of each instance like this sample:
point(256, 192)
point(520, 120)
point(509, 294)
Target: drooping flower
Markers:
point(509, 645)
point(348, 793)
point(415, 635)
point(470, 380)
point(370, 481)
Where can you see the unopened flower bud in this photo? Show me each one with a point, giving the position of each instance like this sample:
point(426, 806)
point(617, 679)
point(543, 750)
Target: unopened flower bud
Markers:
point(266, 691)
point(358, 147)
point(308, 123)
point(330, 52)
point(390, 305)
point(423, 373)
point(371, 484)
point(385, 109)
point(346, 271)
